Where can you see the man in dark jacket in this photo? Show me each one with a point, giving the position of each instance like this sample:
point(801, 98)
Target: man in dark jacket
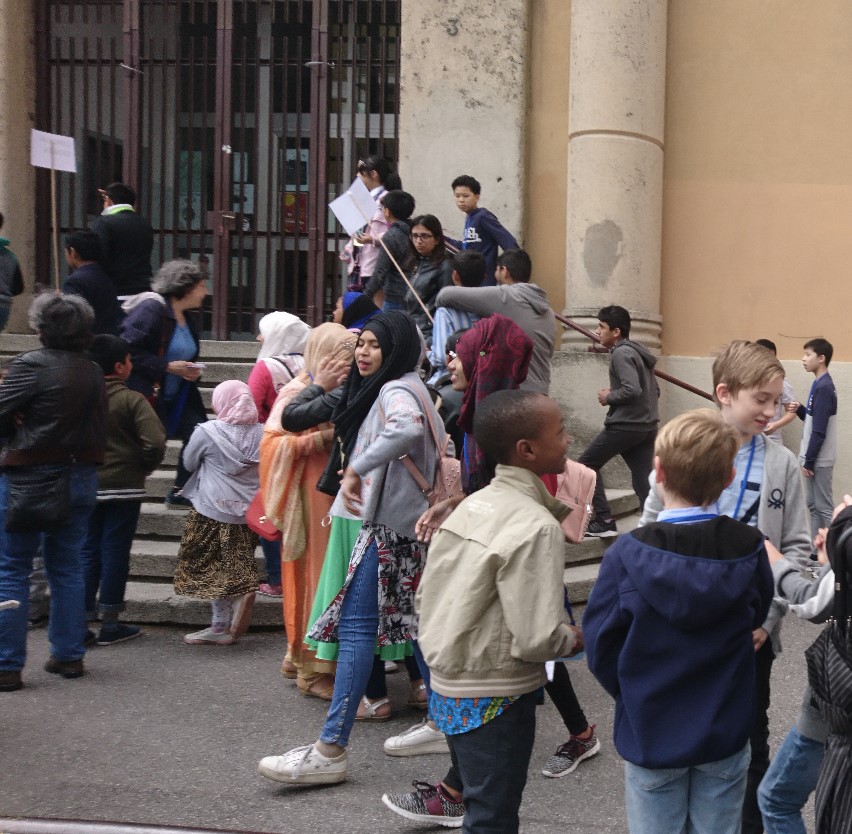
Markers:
point(126, 240)
point(88, 279)
point(630, 426)
point(398, 206)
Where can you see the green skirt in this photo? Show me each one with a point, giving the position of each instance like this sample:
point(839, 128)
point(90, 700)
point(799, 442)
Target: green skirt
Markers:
point(341, 540)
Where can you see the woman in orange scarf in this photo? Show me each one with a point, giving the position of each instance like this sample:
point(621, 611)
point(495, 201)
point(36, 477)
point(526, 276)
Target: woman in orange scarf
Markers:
point(290, 465)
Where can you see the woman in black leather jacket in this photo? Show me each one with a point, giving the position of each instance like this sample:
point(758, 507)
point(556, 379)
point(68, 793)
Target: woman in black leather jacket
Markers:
point(428, 269)
point(52, 421)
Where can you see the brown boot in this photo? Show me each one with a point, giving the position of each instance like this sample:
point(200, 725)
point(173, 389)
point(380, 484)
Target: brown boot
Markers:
point(66, 668)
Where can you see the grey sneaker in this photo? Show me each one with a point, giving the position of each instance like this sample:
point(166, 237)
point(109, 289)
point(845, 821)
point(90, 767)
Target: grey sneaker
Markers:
point(427, 803)
point(570, 754)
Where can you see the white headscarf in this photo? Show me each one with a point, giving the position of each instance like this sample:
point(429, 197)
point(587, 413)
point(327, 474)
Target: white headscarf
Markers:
point(282, 333)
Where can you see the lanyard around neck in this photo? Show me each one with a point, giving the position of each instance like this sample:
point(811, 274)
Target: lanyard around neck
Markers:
point(744, 482)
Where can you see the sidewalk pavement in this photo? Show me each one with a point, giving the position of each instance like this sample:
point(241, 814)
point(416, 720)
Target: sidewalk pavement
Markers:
point(159, 732)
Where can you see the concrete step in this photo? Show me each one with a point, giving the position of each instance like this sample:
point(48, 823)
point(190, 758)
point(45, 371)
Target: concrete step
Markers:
point(582, 561)
point(150, 558)
point(156, 602)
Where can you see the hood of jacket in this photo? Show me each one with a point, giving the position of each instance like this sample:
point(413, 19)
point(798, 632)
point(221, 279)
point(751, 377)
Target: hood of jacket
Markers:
point(647, 357)
point(531, 294)
point(690, 575)
point(238, 447)
point(4, 242)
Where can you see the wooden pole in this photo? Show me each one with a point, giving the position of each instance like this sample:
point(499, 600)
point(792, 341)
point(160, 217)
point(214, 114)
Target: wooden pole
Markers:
point(54, 221)
point(398, 267)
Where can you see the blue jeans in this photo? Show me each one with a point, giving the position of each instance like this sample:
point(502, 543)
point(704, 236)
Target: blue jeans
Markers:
point(788, 783)
point(359, 624)
point(706, 799)
point(272, 560)
point(106, 553)
point(64, 575)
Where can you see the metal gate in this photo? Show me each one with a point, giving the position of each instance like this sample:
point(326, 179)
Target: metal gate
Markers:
point(237, 121)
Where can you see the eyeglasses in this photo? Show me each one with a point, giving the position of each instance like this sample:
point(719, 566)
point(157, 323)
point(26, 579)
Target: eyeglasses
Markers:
point(362, 168)
point(422, 235)
point(452, 354)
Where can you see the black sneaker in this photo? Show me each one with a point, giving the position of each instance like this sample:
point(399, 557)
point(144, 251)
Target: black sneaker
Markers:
point(90, 638)
point(177, 502)
point(427, 803)
point(570, 754)
point(117, 634)
point(600, 529)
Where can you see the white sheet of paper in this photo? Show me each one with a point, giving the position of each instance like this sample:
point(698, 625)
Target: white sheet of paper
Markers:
point(354, 208)
point(51, 150)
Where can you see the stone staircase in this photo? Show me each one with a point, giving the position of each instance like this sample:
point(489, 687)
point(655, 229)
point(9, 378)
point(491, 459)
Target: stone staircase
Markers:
point(150, 597)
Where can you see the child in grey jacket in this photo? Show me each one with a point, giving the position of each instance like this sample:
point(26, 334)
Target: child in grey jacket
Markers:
point(216, 560)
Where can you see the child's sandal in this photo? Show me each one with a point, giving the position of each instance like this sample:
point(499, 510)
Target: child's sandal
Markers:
point(418, 699)
point(379, 710)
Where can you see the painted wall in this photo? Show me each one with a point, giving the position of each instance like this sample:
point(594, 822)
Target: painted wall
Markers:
point(758, 175)
point(463, 82)
point(547, 145)
point(17, 176)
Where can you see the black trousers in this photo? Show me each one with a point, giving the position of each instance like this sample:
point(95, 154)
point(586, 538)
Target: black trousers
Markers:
point(637, 450)
point(752, 820)
point(493, 761)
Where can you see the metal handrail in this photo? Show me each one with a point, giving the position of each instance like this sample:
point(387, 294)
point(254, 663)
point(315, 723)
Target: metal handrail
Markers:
point(661, 374)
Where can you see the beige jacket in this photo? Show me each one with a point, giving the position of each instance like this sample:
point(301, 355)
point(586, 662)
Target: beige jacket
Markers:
point(491, 600)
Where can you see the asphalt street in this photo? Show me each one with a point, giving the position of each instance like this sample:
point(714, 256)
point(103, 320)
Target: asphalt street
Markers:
point(160, 732)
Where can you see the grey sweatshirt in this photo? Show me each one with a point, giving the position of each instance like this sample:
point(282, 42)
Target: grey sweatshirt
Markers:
point(810, 600)
point(524, 304)
point(223, 460)
point(633, 390)
point(395, 426)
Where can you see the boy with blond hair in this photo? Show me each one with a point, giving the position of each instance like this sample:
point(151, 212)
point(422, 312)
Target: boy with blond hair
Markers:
point(766, 493)
point(668, 632)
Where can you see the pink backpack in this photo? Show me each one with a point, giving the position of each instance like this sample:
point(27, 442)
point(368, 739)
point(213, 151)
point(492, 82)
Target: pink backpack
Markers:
point(575, 488)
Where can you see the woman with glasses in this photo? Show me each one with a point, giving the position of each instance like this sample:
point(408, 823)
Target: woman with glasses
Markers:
point(428, 269)
point(361, 252)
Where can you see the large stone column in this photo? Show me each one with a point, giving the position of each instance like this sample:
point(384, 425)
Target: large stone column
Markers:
point(17, 117)
point(463, 105)
point(615, 162)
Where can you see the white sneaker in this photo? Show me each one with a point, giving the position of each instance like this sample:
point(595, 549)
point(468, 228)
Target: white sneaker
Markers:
point(416, 741)
point(209, 637)
point(304, 766)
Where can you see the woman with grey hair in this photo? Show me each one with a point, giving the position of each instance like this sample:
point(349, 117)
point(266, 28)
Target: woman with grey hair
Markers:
point(164, 345)
point(53, 425)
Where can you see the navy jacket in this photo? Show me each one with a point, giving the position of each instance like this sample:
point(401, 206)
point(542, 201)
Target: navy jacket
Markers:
point(148, 328)
point(668, 632)
point(484, 233)
point(92, 283)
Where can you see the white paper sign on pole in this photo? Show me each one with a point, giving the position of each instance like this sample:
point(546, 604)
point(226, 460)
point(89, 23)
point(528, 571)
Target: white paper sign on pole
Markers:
point(354, 208)
point(50, 150)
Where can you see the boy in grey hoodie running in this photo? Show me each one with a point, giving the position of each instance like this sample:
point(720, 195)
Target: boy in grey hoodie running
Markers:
point(630, 426)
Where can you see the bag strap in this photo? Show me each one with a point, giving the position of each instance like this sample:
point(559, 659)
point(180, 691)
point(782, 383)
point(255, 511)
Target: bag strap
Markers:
point(407, 462)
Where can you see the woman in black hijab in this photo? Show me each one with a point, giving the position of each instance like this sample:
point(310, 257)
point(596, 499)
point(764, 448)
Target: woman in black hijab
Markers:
point(381, 417)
